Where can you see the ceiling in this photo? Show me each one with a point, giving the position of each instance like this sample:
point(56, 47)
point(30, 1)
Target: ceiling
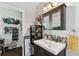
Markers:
point(23, 5)
point(28, 7)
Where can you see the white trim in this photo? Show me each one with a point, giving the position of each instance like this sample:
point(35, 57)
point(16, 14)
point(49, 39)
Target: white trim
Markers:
point(23, 18)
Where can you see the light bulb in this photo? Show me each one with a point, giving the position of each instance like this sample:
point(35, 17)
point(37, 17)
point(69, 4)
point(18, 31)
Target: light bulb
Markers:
point(49, 6)
point(54, 4)
point(45, 9)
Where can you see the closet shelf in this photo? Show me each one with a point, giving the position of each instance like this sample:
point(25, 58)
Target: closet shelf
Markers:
point(11, 25)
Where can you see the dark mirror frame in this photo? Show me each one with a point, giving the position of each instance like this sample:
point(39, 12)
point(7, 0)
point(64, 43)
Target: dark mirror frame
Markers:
point(62, 9)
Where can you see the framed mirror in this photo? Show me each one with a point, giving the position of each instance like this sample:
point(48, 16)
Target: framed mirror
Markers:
point(55, 19)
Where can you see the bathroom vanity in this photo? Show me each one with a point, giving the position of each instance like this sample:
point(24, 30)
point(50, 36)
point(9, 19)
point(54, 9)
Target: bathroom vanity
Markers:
point(53, 19)
point(44, 47)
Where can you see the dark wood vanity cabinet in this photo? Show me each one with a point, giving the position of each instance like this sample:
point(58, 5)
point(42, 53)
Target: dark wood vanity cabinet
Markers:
point(39, 51)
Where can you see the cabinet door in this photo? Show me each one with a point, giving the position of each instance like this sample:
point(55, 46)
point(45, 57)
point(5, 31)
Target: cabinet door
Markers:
point(38, 51)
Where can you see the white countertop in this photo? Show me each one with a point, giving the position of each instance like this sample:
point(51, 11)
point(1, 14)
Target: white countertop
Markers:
point(51, 46)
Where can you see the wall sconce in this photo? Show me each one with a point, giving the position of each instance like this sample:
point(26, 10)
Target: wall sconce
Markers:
point(54, 4)
point(45, 8)
point(49, 6)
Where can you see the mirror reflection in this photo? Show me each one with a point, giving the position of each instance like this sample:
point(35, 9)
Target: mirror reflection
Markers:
point(56, 22)
point(46, 22)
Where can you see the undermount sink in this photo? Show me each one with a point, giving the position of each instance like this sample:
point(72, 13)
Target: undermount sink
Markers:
point(49, 43)
point(51, 46)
